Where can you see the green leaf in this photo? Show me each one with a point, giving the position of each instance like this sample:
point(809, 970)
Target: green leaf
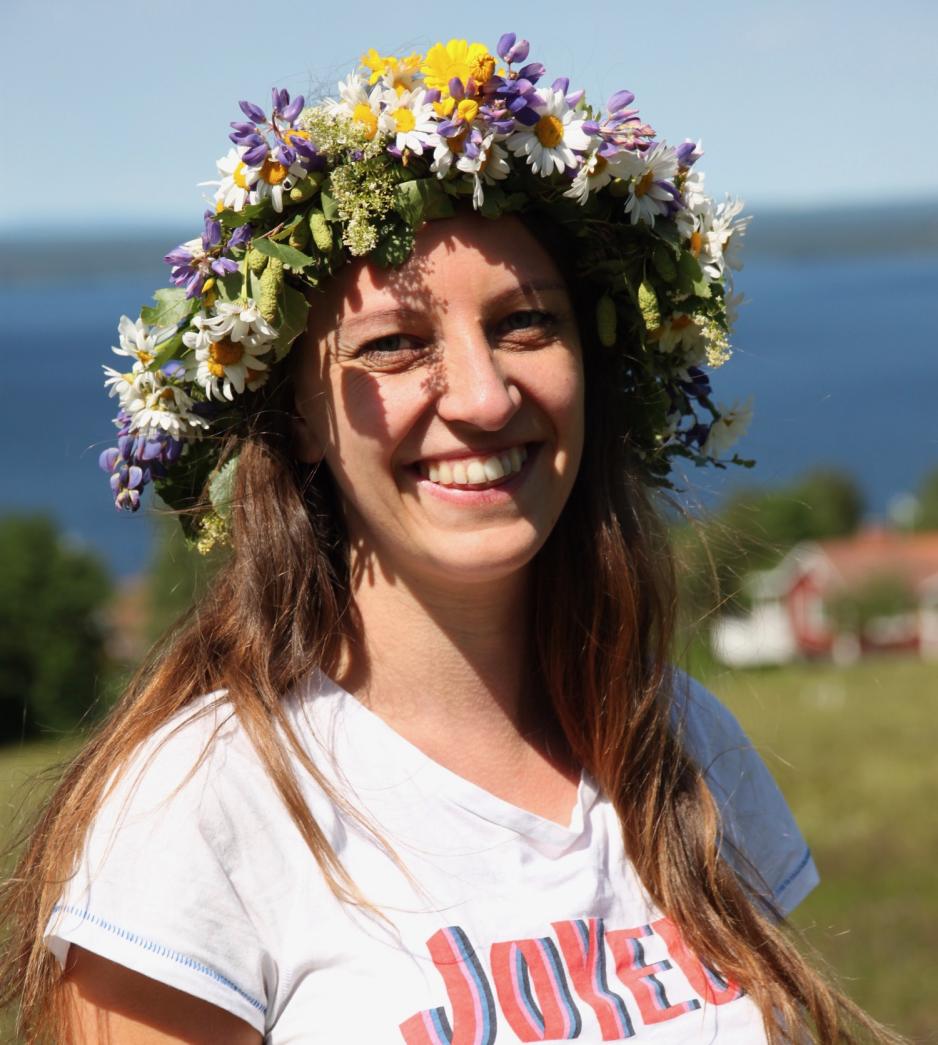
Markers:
point(689, 272)
point(329, 206)
point(663, 260)
point(420, 200)
point(292, 258)
point(493, 205)
point(283, 233)
point(667, 231)
point(395, 246)
point(293, 314)
point(230, 287)
point(168, 350)
point(171, 306)
point(231, 219)
point(221, 487)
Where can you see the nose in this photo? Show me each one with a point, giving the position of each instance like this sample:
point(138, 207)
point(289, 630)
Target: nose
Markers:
point(474, 389)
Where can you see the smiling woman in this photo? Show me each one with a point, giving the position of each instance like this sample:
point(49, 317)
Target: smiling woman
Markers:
point(454, 429)
point(417, 767)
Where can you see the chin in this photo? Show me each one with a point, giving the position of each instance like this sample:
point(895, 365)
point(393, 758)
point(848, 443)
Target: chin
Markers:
point(483, 557)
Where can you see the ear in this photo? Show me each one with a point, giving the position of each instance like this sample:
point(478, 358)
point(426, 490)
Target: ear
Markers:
point(306, 443)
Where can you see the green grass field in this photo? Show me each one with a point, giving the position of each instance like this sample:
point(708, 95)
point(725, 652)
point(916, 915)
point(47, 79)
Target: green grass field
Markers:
point(854, 750)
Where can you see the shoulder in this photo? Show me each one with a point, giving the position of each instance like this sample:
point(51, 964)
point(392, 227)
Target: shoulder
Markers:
point(761, 837)
point(186, 863)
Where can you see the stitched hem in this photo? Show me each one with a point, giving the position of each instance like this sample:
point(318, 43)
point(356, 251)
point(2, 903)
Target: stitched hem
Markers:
point(160, 949)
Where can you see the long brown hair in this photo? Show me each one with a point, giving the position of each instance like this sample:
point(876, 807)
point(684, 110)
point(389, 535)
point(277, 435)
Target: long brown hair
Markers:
point(601, 644)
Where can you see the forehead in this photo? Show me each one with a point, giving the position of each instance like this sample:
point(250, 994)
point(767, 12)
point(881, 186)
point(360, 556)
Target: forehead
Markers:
point(464, 259)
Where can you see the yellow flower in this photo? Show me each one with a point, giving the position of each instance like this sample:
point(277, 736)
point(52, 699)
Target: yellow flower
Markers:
point(399, 72)
point(455, 58)
point(375, 63)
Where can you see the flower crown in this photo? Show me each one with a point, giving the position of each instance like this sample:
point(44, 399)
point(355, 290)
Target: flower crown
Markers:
point(305, 188)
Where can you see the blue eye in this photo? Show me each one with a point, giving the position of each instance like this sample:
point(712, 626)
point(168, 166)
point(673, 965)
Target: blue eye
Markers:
point(388, 345)
point(525, 320)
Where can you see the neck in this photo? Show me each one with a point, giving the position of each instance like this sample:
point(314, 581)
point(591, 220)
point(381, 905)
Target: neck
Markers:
point(440, 659)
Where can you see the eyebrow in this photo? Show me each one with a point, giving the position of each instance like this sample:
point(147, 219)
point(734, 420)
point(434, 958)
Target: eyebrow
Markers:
point(527, 289)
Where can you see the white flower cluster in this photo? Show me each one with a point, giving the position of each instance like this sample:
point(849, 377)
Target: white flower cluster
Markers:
point(227, 349)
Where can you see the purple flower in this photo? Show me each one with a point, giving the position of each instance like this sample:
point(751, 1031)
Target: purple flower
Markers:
point(262, 138)
point(192, 266)
point(136, 460)
point(619, 101)
point(240, 237)
point(127, 484)
point(688, 153)
point(510, 49)
point(253, 112)
point(698, 384)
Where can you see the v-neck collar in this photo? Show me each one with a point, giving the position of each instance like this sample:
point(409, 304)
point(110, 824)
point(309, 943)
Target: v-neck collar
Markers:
point(405, 759)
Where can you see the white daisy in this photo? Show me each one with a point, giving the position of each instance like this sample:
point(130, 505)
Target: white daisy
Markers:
point(137, 340)
point(239, 320)
point(487, 167)
point(650, 194)
point(228, 346)
point(597, 171)
point(446, 152)
point(549, 145)
point(410, 118)
point(273, 179)
point(160, 405)
point(730, 231)
point(224, 367)
point(233, 191)
point(728, 428)
point(358, 103)
point(715, 234)
point(681, 333)
point(123, 385)
point(696, 203)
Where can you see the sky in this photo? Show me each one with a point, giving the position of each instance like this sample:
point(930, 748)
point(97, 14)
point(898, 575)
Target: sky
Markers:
point(116, 110)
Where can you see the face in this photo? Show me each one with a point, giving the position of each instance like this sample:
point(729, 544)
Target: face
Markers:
point(446, 398)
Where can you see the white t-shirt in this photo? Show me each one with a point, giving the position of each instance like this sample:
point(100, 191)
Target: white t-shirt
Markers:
point(502, 926)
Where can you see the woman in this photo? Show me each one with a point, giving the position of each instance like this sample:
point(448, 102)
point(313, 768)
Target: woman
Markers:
point(416, 768)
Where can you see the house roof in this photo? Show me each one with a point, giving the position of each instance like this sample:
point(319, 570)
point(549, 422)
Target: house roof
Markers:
point(847, 562)
point(911, 557)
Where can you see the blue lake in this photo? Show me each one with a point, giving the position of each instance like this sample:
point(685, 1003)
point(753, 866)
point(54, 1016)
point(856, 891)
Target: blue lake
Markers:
point(841, 356)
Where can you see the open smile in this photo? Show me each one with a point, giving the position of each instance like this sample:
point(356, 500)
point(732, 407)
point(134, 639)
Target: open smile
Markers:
point(476, 472)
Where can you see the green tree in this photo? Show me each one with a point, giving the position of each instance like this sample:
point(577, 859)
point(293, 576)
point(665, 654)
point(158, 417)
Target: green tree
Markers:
point(52, 634)
point(926, 517)
point(754, 529)
point(178, 575)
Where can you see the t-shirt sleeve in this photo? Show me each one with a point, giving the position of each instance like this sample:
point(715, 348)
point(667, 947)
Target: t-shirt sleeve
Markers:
point(766, 847)
point(156, 888)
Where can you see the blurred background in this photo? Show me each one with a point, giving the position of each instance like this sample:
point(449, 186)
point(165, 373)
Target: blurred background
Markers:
point(810, 583)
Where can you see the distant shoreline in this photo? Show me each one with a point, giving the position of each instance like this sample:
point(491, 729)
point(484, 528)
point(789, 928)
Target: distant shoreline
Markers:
point(818, 232)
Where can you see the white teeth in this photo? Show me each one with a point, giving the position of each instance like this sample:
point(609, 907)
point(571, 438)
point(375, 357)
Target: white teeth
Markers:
point(475, 471)
point(492, 469)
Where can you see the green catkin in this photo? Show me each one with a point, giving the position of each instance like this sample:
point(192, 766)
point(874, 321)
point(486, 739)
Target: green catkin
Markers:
point(306, 188)
point(299, 237)
point(319, 227)
point(606, 321)
point(257, 262)
point(271, 285)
